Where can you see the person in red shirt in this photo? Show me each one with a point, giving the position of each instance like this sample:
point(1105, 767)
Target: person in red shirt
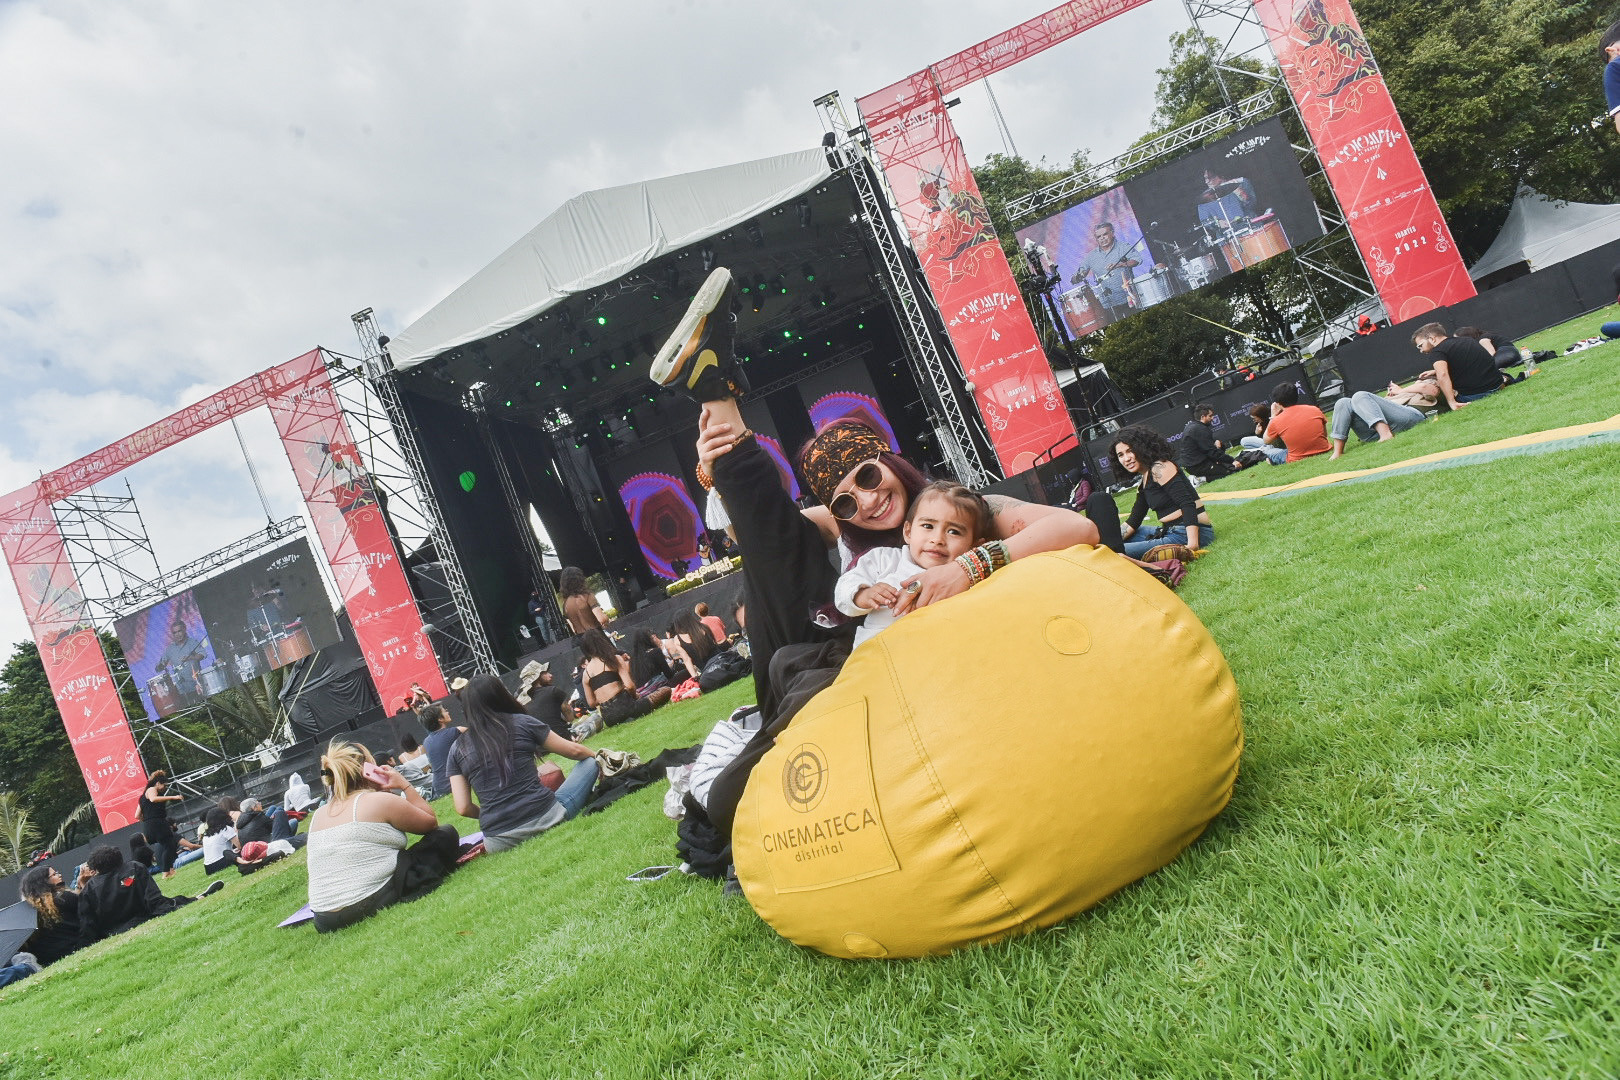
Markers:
point(1301, 428)
point(716, 627)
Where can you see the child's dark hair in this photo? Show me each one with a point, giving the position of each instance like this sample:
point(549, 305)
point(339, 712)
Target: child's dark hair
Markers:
point(965, 499)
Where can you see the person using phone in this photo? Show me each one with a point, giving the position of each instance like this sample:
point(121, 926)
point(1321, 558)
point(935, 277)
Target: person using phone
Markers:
point(358, 859)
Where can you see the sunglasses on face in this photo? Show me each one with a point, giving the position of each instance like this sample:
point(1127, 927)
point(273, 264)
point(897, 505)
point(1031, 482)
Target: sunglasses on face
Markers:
point(867, 478)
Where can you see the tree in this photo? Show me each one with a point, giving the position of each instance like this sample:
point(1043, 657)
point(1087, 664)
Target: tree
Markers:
point(1495, 95)
point(1164, 344)
point(37, 765)
point(18, 836)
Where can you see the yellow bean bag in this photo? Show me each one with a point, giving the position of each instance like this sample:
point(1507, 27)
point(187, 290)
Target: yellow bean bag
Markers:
point(993, 764)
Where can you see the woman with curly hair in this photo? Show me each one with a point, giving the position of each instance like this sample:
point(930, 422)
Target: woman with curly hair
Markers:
point(1163, 488)
point(56, 907)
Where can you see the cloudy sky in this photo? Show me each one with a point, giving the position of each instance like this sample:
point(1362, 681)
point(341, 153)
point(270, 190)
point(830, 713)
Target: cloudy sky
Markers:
point(194, 191)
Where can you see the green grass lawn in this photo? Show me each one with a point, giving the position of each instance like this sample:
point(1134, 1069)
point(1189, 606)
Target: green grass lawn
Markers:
point(1417, 875)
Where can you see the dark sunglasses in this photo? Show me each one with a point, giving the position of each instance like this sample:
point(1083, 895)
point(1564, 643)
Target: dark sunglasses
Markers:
point(867, 478)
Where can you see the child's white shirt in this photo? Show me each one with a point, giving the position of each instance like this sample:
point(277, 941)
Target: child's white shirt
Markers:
point(880, 565)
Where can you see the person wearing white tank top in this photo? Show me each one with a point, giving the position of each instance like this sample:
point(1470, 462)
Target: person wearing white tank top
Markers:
point(358, 859)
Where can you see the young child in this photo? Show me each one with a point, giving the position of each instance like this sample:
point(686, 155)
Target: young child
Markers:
point(946, 520)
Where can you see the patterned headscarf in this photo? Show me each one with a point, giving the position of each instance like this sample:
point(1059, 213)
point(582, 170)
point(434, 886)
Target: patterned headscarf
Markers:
point(835, 452)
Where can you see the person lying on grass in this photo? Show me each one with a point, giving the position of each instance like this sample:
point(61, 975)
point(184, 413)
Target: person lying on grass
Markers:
point(121, 895)
point(358, 861)
point(496, 759)
point(945, 521)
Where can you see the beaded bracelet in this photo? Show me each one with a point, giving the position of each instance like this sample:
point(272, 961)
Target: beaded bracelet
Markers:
point(704, 479)
point(984, 560)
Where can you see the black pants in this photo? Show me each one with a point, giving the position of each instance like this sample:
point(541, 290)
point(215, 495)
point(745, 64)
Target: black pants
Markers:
point(160, 835)
point(1216, 467)
point(787, 576)
point(418, 871)
point(1507, 357)
point(1104, 513)
point(624, 707)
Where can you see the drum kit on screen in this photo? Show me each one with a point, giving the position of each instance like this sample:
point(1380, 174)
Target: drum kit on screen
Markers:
point(1195, 260)
point(273, 642)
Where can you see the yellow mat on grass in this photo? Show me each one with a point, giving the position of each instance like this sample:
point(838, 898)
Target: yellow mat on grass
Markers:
point(1533, 438)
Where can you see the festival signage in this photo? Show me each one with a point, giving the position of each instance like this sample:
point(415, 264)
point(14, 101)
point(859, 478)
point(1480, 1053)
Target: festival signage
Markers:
point(70, 652)
point(972, 283)
point(1364, 148)
point(344, 508)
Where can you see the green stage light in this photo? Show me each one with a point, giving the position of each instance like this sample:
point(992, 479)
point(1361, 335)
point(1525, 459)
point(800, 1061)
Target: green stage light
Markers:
point(601, 320)
point(787, 334)
point(508, 404)
point(468, 480)
point(537, 383)
point(860, 326)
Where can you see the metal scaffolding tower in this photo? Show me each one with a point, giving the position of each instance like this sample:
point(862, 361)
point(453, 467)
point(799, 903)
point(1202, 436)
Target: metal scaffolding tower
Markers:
point(395, 460)
point(847, 149)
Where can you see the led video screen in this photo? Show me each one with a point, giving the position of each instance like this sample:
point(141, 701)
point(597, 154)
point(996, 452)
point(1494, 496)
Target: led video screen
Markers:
point(1229, 205)
point(252, 619)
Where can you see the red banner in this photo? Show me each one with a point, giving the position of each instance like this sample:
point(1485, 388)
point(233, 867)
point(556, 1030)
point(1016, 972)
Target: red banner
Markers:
point(71, 654)
point(1363, 145)
point(969, 276)
point(359, 548)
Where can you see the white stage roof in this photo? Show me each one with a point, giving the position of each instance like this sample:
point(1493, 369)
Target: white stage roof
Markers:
point(599, 237)
point(1545, 231)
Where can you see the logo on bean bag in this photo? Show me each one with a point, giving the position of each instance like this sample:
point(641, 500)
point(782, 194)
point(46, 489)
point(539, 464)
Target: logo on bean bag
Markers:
point(804, 777)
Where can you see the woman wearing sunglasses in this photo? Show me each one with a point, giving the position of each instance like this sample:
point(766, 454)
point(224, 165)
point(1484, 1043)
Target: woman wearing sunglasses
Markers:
point(865, 491)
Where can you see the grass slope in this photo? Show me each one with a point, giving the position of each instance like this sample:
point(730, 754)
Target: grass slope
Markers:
point(1417, 875)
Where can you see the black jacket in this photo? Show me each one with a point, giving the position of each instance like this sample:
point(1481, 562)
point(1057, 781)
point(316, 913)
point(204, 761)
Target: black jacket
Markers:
point(254, 825)
point(50, 943)
point(1197, 447)
point(112, 903)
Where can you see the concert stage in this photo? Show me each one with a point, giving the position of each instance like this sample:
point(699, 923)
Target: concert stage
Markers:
point(527, 387)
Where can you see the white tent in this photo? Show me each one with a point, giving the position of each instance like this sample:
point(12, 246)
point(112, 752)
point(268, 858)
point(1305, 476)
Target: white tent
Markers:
point(1543, 231)
point(599, 237)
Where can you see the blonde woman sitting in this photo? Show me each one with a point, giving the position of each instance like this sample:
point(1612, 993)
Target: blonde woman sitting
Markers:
point(358, 859)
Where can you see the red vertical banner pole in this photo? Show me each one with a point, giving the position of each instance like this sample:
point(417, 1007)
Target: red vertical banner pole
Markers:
point(1346, 108)
point(348, 519)
point(972, 282)
point(70, 651)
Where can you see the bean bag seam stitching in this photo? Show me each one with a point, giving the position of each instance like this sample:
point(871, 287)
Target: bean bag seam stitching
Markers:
point(942, 796)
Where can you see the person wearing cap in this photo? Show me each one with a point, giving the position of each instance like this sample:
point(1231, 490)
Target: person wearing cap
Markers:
point(543, 699)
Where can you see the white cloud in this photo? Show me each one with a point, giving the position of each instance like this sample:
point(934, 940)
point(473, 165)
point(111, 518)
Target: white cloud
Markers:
point(194, 192)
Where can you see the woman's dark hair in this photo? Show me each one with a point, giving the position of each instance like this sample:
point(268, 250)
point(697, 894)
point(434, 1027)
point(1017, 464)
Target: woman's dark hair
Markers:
point(408, 742)
point(488, 706)
point(230, 802)
point(1260, 414)
point(596, 645)
point(158, 777)
point(1470, 331)
point(700, 609)
point(1148, 445)
point(646, 658)
point(218, 819)
point(105, 860)
point(571, 582)
point(141, 850)
point(36, 888)
point(695, 638)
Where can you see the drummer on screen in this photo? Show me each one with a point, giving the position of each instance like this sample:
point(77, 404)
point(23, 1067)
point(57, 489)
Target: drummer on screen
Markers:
point(183, 658)
point(1217, 186)
point(1111, 262)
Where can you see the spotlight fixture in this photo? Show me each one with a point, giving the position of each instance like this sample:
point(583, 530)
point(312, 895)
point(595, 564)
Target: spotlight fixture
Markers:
point(804, 212)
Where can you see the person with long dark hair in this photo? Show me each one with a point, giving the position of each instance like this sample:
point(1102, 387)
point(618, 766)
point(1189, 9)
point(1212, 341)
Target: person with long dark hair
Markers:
point(56, 908)
point(496, 759)
point(692, 642)
point(1162, 488)
point(609, 686)
point(155, 825)
point(580, 608)
point(864, 489)
point(649, 668)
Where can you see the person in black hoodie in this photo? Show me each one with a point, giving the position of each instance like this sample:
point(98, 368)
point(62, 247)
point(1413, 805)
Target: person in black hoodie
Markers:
point(122, 895)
